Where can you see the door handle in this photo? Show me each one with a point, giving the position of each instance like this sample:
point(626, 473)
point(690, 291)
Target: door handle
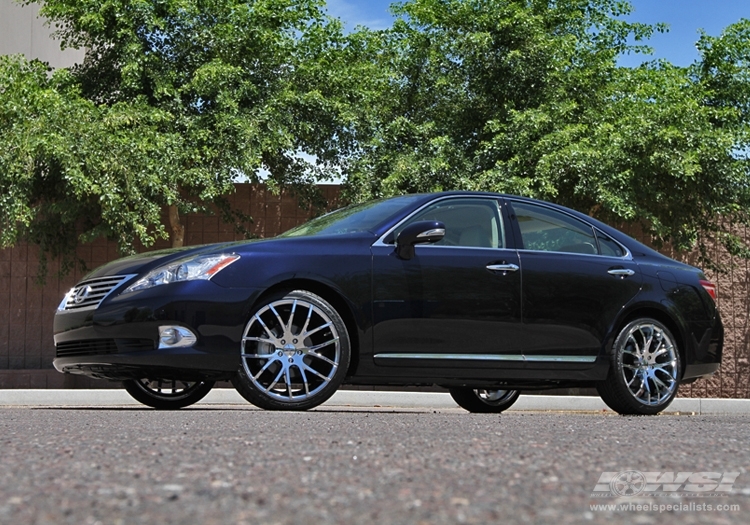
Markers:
point(502, 267)
point(621, 272)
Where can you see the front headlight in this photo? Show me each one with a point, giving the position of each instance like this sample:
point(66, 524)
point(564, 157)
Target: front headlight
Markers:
point(198, 267)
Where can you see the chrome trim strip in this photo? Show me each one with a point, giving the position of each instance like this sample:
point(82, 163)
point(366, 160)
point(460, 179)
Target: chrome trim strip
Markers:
point(560, 358)
point(494, 357)
point(430, 233)
point(628, 256)
point(462, 357)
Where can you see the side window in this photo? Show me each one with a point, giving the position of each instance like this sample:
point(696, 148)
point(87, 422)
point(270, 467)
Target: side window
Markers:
point(544, 229)
point(608, 247)
point(469, 222)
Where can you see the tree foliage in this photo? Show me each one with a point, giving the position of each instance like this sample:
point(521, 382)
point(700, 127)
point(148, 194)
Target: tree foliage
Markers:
point(526, 97)
point(175, 100)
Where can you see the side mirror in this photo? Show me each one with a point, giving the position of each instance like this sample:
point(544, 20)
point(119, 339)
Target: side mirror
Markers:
point(418, 233)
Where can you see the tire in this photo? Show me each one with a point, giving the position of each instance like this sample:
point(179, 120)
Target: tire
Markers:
point(482, 401)
point(167, 394)
point(295, 353)
point(645, 369)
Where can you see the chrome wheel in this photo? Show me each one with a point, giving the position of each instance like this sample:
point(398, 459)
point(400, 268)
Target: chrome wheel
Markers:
point(649, 364)
point(167, 394)
point(644, 371)
point(484, 400)
point(494, 397)
point(294, 353)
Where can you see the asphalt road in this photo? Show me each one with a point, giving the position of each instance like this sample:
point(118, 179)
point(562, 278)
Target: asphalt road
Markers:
point(350, 466)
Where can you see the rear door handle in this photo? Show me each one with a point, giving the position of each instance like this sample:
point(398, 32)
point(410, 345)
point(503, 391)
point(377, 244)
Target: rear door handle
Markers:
point(621, 272)
point(502, 267)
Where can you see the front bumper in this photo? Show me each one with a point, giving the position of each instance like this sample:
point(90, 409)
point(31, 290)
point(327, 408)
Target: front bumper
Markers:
point(119, 339)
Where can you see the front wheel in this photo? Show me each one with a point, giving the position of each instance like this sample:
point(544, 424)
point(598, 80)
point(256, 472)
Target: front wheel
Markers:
point(295, 352)
point(484, 401)
point(644, 369)
point(167, 394)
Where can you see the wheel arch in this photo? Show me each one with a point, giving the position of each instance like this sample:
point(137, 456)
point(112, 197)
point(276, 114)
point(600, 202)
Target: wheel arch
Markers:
point(332, 296)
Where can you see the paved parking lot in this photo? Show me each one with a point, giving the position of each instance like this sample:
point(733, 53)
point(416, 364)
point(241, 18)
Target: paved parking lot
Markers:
point(349, 465)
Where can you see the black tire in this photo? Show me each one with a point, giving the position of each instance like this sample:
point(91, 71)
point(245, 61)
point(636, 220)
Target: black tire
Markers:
point(645, 369)
point(483, 401)
point(295, 352)
point(167, 394)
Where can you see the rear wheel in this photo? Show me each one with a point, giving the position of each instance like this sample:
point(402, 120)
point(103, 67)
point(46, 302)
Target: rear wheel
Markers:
point(295, 353)
point(167, 394)
point(483, 400)
point(644, 372)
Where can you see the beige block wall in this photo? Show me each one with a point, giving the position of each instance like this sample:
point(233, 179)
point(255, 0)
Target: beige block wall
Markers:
point(23, 32)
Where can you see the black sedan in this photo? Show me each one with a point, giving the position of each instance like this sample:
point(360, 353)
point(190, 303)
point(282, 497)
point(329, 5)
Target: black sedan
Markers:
point(486, 295)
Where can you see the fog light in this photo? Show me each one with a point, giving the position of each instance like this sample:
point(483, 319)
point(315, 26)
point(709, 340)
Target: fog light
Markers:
point(175, 337)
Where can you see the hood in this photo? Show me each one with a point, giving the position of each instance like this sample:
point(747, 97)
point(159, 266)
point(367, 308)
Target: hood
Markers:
point(135, 264)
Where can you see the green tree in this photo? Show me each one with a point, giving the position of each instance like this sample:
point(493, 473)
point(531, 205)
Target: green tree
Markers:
point(175, 100)
point(525, 97)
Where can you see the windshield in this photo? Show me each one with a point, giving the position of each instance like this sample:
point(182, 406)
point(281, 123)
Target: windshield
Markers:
point(355, 218)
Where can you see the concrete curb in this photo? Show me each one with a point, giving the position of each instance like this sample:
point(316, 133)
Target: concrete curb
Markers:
point(366, 399)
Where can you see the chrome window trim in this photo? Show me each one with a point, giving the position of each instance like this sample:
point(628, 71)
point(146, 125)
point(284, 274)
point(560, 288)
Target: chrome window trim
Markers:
point(493, 357)
point(497, 199)
point(628, 256)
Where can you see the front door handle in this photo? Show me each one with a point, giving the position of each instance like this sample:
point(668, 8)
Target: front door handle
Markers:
point(502, 267)
point(621, 272)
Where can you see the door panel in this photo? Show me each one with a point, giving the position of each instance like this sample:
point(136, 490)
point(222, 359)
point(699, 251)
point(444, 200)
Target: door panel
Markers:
point(446, 301)
point(457, 301)
point(575, 281)
point(570, 301)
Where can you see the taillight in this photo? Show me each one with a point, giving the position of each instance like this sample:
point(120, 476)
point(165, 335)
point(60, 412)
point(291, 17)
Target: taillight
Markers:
point(710, 288)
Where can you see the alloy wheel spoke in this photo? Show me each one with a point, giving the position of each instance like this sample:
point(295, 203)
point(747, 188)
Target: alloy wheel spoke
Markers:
point(275, 380)
point(312, 370)
point(265, 367)
point(322, 357)
point(288, 379)
point(304, 380)
point(288, 327)
point(281, 322)
point(314, 330)
point(260, 340)
point(663, 366)
point(307, 319)
point(322, 345)
point(659, 383)
point(268, 331)
point(649, 339)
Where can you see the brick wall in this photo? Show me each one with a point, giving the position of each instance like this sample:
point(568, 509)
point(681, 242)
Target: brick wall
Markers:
point(27, 309)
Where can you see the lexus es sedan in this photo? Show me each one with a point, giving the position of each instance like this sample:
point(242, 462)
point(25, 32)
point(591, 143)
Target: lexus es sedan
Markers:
point(483, 294)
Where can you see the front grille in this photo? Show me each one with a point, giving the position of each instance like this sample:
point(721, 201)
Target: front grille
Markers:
point(89, 294)
point(102, 347)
